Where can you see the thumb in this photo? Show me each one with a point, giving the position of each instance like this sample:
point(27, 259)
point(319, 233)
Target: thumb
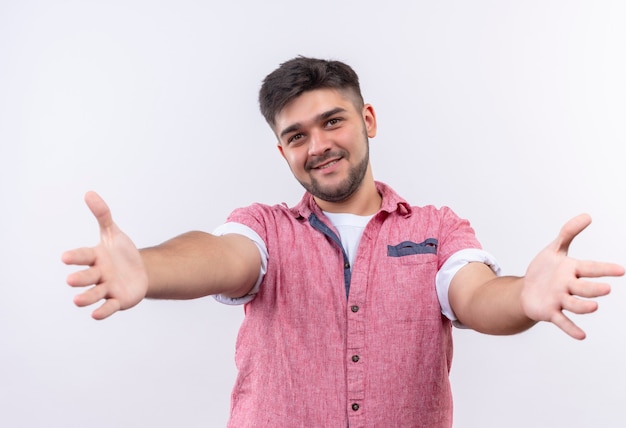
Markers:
point(571, 229)
point(99, 209)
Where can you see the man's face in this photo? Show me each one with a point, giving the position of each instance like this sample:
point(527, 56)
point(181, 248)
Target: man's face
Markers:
point(323, 136)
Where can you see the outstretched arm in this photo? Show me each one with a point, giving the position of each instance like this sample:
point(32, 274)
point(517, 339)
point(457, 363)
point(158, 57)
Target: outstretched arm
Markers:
point(191, 265)
point(554, 282)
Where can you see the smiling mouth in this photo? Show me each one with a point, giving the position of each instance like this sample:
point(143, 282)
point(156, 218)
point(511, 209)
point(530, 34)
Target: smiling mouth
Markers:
point(327, 165)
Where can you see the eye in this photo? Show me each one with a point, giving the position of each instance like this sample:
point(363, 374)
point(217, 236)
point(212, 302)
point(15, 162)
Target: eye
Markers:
point(332, 122)
point(295, 138)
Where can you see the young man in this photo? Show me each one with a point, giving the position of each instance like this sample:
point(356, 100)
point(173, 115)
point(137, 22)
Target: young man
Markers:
point(350, 295)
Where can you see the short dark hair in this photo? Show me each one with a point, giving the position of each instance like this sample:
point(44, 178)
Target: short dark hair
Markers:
point(302, 74)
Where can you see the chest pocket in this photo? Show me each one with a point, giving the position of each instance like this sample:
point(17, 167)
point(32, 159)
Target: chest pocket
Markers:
point(411, 268)
point(408, 248)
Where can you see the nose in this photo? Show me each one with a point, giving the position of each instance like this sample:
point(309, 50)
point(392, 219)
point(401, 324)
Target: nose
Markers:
point(319, 143)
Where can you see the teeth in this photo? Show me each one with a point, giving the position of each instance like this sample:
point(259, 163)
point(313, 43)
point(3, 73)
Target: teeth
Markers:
point(328, 165)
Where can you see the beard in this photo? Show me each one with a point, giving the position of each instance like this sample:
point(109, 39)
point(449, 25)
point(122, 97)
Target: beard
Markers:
point(348, 186)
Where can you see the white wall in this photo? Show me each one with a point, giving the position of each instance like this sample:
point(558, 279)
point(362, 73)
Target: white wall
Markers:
point(510, 112)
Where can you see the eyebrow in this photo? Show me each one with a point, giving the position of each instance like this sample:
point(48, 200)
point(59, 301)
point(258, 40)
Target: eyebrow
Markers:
point(322, 116)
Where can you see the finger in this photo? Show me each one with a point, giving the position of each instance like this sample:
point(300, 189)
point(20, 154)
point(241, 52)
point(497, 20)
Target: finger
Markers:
point(571, 229)
point(90, 296)
point(99, 209)
point(579, 306)
point(79, 256)
point(84, 278)
point(589, 289)
point(107, 309)
point(565, 324)
point(591, 269)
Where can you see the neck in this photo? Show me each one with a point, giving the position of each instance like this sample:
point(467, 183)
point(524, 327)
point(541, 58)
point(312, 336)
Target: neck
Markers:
point(365, 201)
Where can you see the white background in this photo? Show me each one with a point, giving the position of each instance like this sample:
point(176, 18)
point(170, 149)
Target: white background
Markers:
point(510, 112)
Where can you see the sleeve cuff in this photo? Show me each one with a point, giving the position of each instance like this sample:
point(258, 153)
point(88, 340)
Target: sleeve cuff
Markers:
point(242, 229)
point(451, 267)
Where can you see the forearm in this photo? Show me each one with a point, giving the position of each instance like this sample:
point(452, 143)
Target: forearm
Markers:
point(496, 308)
point(198, 264)
point(487, 303)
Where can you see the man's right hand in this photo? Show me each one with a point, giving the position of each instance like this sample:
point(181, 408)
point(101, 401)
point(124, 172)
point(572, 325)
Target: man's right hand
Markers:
point(115, 270)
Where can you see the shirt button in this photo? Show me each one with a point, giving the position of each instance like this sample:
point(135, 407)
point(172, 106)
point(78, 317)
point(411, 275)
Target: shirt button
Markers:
point(346, 265)
point(354, 308)
point(355, 358)
point(355, 407)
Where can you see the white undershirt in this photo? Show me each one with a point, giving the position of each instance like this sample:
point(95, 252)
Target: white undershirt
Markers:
point(350, 228)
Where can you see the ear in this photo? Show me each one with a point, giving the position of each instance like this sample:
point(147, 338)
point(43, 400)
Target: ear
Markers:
point(369, 117)
point(280, 149)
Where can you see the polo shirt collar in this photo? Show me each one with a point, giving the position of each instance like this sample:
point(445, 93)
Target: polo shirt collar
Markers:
point(392, 202)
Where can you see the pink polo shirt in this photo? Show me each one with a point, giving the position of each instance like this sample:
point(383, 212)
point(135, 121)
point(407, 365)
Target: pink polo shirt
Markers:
point(326, 344)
